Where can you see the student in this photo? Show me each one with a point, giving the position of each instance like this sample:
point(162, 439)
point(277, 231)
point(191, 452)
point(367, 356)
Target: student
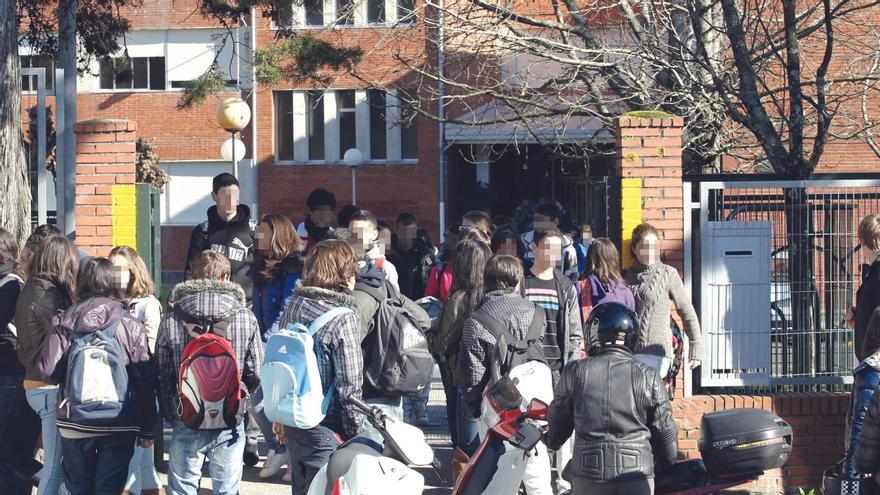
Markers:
point(514, 314)
point(328, 280)
point(19, 426)
point(37, 237)
point(415, 255)
point(466, 295)
point(617, 408)
point(344, 216)
point(504, 242)
point(440, 280)
point(868, 295)
point(479, 220)
point(321, 203)
point(277, 270)
point(97, 454)
point(546, 218)
point(655, 287)
point(209, 296)
point(364, 226)
point(603, 282)
point(383, 242)
point(228, 230)
point(582, 245)
point(138, 288)
point(49, 290)
point(866, 379)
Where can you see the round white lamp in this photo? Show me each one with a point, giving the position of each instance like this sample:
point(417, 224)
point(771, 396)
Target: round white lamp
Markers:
point(353, 158)
point(233, 114)
point(233, 150)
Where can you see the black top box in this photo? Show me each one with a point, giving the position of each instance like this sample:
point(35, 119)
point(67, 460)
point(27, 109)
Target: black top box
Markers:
point(743, 441)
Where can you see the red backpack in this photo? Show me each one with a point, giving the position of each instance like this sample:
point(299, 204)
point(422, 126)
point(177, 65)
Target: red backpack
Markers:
point(210, 393)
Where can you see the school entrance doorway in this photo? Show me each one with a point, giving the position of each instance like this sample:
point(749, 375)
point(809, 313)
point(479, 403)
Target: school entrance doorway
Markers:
point(502, 178)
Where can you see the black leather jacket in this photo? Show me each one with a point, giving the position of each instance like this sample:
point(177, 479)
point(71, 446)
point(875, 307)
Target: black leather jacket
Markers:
point(618, 409)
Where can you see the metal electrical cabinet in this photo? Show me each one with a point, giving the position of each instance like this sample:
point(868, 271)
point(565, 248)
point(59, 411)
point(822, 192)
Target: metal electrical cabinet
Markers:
point(736, 288)
point(149, 230)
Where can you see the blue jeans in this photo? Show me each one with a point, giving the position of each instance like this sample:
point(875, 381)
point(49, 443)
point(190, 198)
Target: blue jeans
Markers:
point(43, 401)
point(142, 473)
point(189, 448)
point(97, 465)
point(466, 426)
point(19, 430)
point(259, 414)
point(419, 403)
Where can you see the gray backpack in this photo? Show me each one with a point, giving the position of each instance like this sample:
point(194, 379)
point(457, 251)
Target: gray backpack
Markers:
point(96, 382)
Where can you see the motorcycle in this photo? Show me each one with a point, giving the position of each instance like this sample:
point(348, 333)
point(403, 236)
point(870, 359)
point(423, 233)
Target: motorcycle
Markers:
point(511, 422)
point(364, 466)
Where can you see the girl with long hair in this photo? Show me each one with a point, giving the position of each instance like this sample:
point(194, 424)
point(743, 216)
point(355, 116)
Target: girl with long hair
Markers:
point(604, 282)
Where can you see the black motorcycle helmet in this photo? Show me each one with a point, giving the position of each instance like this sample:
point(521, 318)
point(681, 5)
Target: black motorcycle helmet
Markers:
point(612, 323)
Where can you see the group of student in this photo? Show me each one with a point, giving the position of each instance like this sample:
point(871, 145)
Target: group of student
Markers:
point(247, 280)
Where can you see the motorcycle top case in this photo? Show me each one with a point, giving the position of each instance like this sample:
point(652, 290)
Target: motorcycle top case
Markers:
point(743, 441)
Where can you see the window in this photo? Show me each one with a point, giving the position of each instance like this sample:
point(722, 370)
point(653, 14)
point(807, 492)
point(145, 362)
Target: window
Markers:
point(314, 12)
point(132, 73)
point(284, 124)
point(29, 83)
point(409, 136)
point(345, 102)
point(345, 12)
point(406, 11)
point(378, 145)
point(376, 11)
point(315, 123)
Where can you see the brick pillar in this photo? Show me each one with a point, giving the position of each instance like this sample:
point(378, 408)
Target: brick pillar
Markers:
point(105, 193)
point(649, 163)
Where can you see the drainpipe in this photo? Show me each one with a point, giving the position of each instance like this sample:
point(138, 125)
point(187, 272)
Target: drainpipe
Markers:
point(254, 175)
point(441, 113)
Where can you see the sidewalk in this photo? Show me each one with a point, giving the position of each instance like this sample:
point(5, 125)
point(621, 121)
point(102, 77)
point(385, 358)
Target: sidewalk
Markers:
point(437, 434)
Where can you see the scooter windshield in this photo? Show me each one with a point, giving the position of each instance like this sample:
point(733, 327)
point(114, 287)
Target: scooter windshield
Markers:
point(505, 394)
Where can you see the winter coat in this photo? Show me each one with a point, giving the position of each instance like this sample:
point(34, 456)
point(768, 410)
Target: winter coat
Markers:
point(375, 257)
point(413, 266)
point(582, 250)
point(367, 305)
point(569, 255)
point(478, 343)
point(338, 345)
point(91, 316)
point(572, 328)
point(867, 300)
point(40, 300)
point(655, 288)
point(866, 379)
point(440, 281)
point(593, 292)
point(10, 288)
point(147, 310)
point(618, 409)
point(270, 298)
point(312, 234)
point(233, 239)
point(204, 300)
point(446, 343)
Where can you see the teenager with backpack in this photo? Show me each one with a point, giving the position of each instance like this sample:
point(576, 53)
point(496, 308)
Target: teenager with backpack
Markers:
point(505, 331)
point(324, 310)
point(228, 231)
point(413, 254)
point(547, 218)
point(19, 426)
point(137, 286)
point(440, 280)
point(277, 270)
point(100, 355)
point(365, 228)
point(209, 328)
point(49, 290)
point(603, 281)
point(321, 204)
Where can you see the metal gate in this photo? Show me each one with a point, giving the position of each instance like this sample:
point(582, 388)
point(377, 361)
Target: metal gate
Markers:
point(591, 200)
point(773, 316)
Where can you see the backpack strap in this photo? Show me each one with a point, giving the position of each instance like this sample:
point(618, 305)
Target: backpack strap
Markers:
point(326, 317)
point(371, 291)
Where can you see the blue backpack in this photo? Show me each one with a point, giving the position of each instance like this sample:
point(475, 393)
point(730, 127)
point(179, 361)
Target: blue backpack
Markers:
point(96, 382)
point(293, 394)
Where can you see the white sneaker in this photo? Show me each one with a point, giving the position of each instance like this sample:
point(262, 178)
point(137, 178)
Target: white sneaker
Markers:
point(274, 464)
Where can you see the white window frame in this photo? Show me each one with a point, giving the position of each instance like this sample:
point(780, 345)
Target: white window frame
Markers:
point(332, 155)
point(114, 89)
point(298, 17)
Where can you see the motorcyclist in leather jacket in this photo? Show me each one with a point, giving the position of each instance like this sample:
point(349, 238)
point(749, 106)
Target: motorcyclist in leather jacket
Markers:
point(618, 409)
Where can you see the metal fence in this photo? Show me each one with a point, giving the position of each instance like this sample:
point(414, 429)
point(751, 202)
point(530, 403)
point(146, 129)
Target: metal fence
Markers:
point(778, 266)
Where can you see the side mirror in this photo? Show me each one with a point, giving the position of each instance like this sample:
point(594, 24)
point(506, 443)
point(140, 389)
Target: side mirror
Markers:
point(538, 410)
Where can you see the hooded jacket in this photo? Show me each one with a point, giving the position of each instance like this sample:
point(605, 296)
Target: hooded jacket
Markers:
point(867, 300)
point(10, 288)
point(413, 265)
point(272, 297)
point(619, 410)
point(866, 379)
point(91, 316)
point(40, 300)
point(338, 346)
point(206, 300)
point(233, 239)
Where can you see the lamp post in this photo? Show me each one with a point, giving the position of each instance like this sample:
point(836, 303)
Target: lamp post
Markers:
point(353, 158)
point(233, 114)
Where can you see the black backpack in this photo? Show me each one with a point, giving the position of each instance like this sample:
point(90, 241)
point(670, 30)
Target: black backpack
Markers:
point(510, 351)
point(396, 357)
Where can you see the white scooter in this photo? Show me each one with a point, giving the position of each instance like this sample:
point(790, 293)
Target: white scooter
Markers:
point(362, 466)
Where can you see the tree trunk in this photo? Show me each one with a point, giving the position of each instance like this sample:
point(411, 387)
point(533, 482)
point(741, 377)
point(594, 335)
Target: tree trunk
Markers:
point(15, 209)
point(804, 296)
